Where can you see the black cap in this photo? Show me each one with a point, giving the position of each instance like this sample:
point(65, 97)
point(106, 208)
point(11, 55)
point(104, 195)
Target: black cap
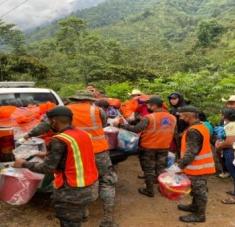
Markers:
point(155, 100)
point(174, 95)
point(60, 111)
point(188, 109)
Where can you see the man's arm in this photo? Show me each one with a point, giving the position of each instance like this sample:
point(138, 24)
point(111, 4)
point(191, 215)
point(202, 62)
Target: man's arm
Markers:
point(103, 117)
point(141, 126)
point(42, 128)
point(194, 142)
point(55, 155)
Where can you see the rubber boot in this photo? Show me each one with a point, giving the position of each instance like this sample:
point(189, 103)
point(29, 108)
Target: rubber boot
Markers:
point(85, 215)
point(199, 215)
point(107, 220)
point(195, 217)
point(188, 208)
point(64, 223)
point(148, 191)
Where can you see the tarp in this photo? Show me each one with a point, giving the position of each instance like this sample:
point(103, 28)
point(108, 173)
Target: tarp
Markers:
point(23, 119)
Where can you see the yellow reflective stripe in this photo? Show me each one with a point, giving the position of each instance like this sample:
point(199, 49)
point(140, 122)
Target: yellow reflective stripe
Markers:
point(78, 160)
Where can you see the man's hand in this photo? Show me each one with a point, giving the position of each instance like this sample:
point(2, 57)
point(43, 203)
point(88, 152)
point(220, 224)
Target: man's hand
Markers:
point(174, 169)
point(41, 154)
point(19, 163)
point(218, 144)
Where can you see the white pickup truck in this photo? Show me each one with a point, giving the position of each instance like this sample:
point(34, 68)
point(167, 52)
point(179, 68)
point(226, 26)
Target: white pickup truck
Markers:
point(23, 93)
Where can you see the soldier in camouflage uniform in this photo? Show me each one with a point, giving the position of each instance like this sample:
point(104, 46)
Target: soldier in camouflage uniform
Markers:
point(69, 202)
point(195, 141)
point(153, 148)
point(107, 176)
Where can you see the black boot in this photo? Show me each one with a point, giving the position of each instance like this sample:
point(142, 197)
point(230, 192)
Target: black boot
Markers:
point(188, 208)
point(148, 191)
point(193, 218)
point(85, 215)
point(64, 223)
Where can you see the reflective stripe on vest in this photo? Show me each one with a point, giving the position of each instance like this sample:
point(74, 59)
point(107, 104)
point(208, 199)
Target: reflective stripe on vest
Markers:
point(93, 119)
point(87, 118)
point(77, 158)
point(204, 156)
point(200, 167)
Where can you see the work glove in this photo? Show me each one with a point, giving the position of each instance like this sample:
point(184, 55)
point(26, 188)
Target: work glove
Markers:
point(173, 169)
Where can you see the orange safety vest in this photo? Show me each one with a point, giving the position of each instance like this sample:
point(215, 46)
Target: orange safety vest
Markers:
point(204, 163)
point(80, 168)
point(160, 131)
point(87, 117)
point(129, 107)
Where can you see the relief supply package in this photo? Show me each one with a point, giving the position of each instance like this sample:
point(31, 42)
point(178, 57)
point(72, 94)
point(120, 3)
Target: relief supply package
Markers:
point(174, 186)
point(17, 186)
point(111, 134)
point(128, 141)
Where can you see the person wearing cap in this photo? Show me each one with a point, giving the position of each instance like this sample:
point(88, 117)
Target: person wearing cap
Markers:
point(196, 161)
point(90, 118)
point(71, 158)
point(230, 102)
point(226, 146)
point(157, 131)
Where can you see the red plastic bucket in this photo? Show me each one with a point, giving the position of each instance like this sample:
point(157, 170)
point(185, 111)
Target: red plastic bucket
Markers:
point(173, 190)
point(17, 186)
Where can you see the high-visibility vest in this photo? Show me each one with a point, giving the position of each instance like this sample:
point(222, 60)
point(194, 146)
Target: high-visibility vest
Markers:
point(80, 168)
point(204, 163)
point(129, 107)
point(87, 117)
point(160, 131)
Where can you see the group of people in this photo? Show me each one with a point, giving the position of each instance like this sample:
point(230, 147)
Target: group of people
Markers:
point(78, 153)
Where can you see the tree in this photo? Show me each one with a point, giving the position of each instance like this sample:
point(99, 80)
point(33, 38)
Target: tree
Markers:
point(209, 32)
point(11, 39)
point(69, 33)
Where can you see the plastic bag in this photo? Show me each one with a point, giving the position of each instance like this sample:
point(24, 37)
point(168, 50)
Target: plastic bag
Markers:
point(219, 132)
point(170, 159)
point(29, 148)
point(17, 186)
point(128, 141)
point(174, 186)
point(111, 134)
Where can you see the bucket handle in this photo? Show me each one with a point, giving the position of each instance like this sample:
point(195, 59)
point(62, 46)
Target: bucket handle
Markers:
point(178, 191)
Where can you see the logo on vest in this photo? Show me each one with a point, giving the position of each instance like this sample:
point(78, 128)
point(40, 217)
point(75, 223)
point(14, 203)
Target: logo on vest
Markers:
point(165, 122)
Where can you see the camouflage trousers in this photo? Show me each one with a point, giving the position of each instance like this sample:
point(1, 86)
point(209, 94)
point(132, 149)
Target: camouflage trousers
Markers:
point(199, 193)
point(71, 203)
point(107, 183)
point(153, 163)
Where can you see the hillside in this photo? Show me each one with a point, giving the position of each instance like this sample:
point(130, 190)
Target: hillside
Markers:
point(156, 45)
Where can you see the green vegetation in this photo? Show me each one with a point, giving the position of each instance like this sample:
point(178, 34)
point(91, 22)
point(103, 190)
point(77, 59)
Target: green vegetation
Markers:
point(159, 46)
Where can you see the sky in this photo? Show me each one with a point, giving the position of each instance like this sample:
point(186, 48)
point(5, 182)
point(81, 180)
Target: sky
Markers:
point(36, 12)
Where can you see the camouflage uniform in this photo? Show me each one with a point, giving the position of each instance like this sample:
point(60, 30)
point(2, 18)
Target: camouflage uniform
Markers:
point(107, 182)
point(70, 203)
point(153, 162)
point(199, 191)
point(42, 128)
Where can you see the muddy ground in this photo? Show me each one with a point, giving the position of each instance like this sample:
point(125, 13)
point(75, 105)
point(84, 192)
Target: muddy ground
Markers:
point(132, 209)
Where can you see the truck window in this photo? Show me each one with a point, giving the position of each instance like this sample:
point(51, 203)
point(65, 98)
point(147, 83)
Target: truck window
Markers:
point(24, 99)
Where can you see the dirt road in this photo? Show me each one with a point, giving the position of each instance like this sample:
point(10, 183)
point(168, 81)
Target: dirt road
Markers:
point(132, 210)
